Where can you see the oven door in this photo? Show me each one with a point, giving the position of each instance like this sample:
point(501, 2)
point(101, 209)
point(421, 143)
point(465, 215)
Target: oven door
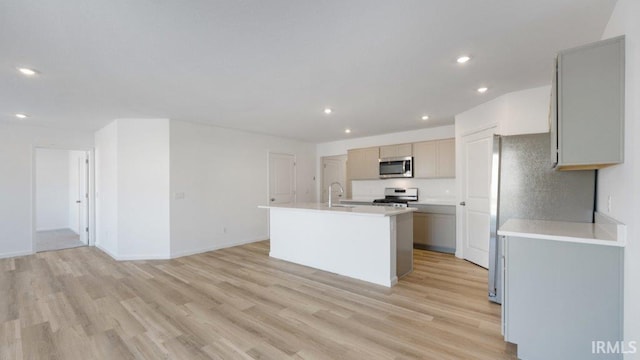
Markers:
point(396, 167)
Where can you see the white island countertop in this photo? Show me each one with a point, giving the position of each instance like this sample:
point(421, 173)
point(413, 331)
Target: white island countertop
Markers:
point(607, 234)
point(364, 210)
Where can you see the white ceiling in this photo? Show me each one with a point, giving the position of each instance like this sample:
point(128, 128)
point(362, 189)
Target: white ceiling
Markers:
point(271, 66)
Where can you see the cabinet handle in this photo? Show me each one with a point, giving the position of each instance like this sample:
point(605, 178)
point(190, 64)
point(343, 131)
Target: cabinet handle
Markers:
point(273, 199)
point(463, 203)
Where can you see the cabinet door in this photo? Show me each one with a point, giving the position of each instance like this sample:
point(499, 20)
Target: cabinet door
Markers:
point(553, 288)
point(442, 229)
point(354, 159)
point(435, 232)
point(591, 105)
point(371, 167)
point(400, 150)
point(446, 159)
point(425, 159)
point(420, 229)
point(388, 151)
point(362, 164)
point(404, 150)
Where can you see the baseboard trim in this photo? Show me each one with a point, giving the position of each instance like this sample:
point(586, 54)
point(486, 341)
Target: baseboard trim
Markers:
point(181, 253)
point(104, 250)
point(175, 255)
point(131, 257)
point(143, 257)
point(15, 254)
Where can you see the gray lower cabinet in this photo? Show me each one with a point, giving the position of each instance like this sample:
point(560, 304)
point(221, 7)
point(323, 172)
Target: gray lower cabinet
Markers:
point(434, 228)
point(560, 297)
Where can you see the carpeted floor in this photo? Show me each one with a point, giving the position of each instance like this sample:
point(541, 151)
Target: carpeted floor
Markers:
point(57, 239)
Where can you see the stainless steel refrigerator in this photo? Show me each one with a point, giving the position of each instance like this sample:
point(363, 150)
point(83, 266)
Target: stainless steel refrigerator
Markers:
point(525, 186)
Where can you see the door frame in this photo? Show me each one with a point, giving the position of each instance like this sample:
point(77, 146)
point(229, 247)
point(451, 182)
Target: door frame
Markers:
point(460, 161)
point(90, 190)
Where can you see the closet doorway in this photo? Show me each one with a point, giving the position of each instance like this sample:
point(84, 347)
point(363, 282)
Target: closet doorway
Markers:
point(61, 199)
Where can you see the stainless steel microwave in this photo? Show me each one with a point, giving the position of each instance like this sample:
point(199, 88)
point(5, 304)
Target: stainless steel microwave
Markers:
point(397, 167)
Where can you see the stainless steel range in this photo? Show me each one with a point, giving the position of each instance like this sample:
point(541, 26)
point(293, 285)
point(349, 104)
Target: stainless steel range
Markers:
point(399, 197)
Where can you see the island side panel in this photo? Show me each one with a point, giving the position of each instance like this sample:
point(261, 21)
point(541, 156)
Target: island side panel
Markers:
point(347, 244)
point(404, 243)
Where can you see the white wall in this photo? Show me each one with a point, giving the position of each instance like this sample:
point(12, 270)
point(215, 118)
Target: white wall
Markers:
point(527, 111)
point(621, 181)
point(106, 188)
point(74, 189)
point(143, 188)
point(222, 176)
point(17, 155)
point(371, 189)
point(133, 168)
point(52, 189)
point(516, 113)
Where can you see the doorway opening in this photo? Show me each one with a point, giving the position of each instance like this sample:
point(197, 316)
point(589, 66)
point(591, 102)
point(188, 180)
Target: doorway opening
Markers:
point(61, 199)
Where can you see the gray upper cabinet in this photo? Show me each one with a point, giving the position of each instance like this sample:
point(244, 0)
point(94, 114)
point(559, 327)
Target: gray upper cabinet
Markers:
point(587, 112)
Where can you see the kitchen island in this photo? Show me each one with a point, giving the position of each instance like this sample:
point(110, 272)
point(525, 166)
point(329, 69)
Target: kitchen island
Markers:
point(370, 243)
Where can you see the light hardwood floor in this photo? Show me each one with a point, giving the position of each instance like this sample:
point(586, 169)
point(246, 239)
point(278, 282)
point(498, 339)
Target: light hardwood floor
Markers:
point(238, 303)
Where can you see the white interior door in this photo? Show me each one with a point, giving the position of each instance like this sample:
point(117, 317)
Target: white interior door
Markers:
point(282, 180)
point(334, 169)
point(476, 184)
point(83, 198)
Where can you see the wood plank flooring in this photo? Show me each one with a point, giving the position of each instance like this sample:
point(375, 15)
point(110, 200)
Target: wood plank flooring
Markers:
point(238, 303)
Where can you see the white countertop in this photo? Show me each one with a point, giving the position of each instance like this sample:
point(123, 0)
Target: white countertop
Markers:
point(425, 201)
point(365, 210)
point(607, 234)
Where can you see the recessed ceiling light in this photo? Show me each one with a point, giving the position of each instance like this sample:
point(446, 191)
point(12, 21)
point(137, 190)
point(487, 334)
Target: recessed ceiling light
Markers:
point(347, 131)
point(425, 117)
point(27, 71)
point(22, 116)
point(328, 111)
point(483, 90)
point(463, 59)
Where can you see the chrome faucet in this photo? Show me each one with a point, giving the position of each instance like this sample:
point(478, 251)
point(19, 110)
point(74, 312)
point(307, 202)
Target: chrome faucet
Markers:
point(330, 192)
